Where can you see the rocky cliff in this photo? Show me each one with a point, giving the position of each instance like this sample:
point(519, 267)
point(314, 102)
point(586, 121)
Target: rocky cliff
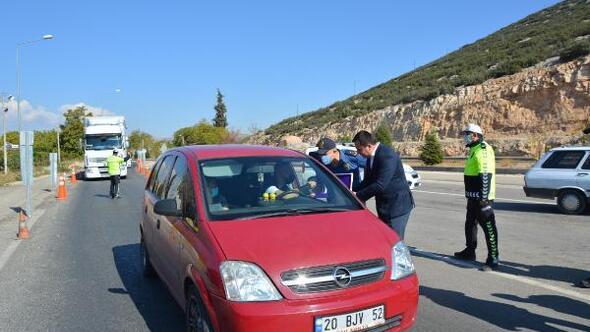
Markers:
point(548, 104)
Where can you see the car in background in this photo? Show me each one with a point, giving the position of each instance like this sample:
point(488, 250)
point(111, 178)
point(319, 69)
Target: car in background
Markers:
point(412, 177)
point(562, 174)
point(238, 256)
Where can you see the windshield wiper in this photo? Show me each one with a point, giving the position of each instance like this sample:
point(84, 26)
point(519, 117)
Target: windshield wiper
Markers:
point(293, 212)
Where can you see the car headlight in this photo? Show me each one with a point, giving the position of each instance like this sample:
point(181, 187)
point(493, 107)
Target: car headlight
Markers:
point(401, 261)
point(247, 282)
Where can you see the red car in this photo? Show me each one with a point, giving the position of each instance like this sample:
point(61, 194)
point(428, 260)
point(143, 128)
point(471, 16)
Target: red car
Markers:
point(253, 238)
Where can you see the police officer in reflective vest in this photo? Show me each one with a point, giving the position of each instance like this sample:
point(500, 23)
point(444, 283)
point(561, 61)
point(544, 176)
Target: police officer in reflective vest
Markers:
point(114, 164)
point(341, 161)
point(480, 191)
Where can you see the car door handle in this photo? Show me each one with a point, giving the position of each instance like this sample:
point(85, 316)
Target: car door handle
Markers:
point(582, 174)
point(158, 224)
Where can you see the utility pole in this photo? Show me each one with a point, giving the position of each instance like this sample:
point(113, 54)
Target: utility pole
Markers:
point(58, 147)
point(4, 111)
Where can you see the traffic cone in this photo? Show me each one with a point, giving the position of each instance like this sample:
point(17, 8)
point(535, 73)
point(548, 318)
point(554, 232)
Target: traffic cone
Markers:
point(23, 230)
point(146, 172)
point(61, 191)
point(73, 179)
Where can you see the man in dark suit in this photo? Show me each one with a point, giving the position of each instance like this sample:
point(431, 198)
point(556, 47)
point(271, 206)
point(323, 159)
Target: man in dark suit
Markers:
point(386, 181)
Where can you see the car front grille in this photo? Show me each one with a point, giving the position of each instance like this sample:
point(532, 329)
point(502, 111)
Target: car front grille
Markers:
point(332, 277)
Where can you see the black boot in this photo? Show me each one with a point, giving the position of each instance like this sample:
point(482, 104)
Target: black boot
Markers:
point(491, 264)
point(466, 254)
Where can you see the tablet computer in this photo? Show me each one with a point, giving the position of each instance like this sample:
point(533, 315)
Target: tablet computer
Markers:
point(346, 178)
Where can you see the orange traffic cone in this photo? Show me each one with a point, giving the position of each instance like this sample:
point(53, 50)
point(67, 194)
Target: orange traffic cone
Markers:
point(73, 179)
point(146, 172)
point(23, 231)
point(61, 191)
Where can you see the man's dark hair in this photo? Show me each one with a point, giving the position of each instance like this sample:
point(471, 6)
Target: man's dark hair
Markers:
point(364, 138)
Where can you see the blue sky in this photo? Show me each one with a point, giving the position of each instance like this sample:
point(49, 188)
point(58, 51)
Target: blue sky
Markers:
point(269, 58)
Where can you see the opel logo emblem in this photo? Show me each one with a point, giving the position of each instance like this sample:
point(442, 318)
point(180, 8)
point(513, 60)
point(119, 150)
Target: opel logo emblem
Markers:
point(342, 276)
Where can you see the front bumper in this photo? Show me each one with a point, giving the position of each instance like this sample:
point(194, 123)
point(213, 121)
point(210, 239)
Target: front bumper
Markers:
point(399, 297)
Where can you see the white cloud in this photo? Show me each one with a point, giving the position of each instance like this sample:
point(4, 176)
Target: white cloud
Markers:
point(33, 117)
point(98, 111)
point(37, 117)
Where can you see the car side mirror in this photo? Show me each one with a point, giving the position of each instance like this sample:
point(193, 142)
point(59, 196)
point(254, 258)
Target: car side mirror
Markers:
point(166, 207)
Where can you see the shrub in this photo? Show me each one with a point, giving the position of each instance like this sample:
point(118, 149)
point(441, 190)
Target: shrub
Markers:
point(431, 152)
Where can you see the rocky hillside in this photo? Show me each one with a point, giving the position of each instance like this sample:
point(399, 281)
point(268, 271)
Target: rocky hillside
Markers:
point(545, 104)
point(548, 102)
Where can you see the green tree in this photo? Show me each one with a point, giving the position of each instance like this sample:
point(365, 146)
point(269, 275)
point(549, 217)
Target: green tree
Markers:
point(72, 132)
point(220, 119)
point(382, 134)
point(202, 133)
point(431, 152)
point(139, 139)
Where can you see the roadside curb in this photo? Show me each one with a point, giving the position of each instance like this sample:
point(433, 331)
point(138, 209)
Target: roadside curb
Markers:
point(15, 183)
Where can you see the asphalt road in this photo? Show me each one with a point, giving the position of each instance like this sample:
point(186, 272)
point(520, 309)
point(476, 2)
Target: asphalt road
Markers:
point(80, 270)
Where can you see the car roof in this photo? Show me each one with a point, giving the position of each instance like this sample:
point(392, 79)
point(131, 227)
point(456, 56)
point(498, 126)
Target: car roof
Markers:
point(203, 152)
point(572, 148)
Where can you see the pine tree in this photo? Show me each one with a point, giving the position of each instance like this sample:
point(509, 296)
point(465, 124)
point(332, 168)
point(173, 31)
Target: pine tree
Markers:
point(382, 134)
point(220, 119)
point(432, 152)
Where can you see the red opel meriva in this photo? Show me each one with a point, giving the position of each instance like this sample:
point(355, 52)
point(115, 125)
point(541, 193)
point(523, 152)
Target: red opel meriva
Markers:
point(254, 238)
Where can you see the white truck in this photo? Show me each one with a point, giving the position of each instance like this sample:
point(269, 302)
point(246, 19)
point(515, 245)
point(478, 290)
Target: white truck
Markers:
point(102, 135)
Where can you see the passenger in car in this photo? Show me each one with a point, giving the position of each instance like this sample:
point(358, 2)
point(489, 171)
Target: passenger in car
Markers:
point(285, 182)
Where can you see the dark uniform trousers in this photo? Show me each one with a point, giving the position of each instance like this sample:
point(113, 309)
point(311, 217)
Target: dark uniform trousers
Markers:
point(484, 215)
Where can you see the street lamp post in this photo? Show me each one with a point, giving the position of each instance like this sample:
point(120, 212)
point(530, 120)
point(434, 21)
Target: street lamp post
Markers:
point(4, 111)
point(18, 46)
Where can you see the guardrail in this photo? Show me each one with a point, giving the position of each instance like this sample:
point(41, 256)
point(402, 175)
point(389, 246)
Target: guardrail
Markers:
point(460, 169)
point(518, 158)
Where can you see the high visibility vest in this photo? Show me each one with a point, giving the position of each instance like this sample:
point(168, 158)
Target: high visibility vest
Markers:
point(480, 172)
point(114, 165)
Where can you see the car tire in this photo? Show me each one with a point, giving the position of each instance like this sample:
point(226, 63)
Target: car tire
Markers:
point(146, 265)
point(197, 318)
point(571, 202)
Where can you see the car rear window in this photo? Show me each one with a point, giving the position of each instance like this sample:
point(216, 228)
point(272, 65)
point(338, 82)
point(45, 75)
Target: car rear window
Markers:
point(564, 159)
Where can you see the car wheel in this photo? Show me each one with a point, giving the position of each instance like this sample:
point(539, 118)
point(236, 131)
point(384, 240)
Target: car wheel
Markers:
point(197, 319)
point(571, 202)
point(146, 264)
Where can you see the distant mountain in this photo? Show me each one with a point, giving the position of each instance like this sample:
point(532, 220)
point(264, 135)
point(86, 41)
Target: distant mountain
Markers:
point(558, 34)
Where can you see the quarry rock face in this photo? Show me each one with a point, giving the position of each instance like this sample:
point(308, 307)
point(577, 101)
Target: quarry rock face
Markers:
point(536, 108)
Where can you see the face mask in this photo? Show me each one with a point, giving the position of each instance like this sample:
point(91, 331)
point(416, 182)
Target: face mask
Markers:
point(467, 139)
point(326, 160)
point(214, 192)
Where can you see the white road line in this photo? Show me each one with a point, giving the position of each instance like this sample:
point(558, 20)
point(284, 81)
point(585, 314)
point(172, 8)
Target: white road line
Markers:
point(497, 199)
point(524, 280)
point(12, 247)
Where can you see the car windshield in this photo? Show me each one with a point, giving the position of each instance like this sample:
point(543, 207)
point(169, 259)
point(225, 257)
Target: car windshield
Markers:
point(259, 187)
point(103, 142)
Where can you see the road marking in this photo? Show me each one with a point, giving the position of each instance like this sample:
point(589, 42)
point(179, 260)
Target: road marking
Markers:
point(12, 247)
point(497, 199)
point(524, 280)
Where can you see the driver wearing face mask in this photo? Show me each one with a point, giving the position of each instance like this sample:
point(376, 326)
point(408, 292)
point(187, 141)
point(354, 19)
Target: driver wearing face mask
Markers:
point(216, 201)
point(341, 161)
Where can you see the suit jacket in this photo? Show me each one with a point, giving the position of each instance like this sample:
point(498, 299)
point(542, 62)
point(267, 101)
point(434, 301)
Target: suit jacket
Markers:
point(386, 181)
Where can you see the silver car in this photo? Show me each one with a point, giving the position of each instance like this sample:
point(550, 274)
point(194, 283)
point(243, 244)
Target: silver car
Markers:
point(562, 173)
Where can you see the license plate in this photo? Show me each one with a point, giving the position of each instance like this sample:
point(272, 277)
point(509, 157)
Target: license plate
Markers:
point(354, 321)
